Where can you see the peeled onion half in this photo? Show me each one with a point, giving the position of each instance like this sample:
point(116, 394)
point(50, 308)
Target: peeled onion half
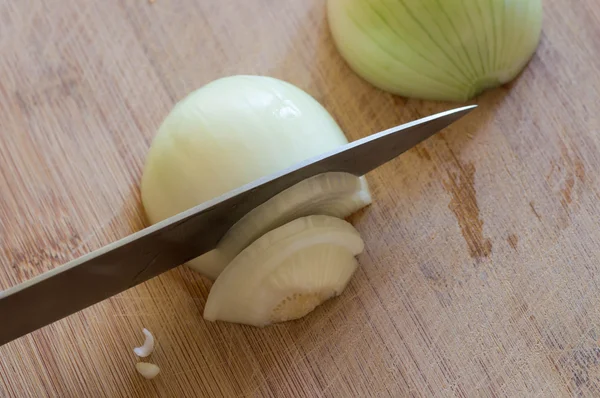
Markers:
point(236, 130)
point(228, 133)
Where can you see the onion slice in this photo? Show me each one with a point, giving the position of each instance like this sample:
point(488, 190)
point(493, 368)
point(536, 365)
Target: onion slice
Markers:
point(147, 370)
point(332, 194)
point(286, 273)
point(148, 346)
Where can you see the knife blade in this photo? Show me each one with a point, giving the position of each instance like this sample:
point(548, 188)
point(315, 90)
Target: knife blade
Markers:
point(134, 259)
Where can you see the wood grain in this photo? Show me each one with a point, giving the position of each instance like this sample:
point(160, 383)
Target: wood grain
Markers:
point(481, 274)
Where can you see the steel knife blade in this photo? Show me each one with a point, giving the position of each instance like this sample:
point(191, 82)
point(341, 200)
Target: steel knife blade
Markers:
point(134, 259)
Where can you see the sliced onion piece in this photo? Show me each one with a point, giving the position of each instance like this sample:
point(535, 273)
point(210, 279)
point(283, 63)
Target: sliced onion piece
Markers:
point(147, 370)
point(148, 346)
point(286, 273)
point(332, 194)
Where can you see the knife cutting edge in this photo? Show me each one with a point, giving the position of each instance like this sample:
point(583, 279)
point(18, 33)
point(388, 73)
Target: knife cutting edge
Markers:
point(143, 255)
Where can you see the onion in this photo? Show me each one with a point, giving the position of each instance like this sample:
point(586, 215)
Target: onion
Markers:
point(332, 194)
point(231, 132)
point(286, 273)
point(147, 370)
point(148, 346)
point(436, 49)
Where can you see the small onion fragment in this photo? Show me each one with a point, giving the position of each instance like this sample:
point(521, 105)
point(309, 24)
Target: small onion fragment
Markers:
point(148, 346)
point(436, 49)
point(147, 370)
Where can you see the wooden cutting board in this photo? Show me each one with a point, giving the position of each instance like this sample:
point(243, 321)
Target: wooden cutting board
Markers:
point(481, 273)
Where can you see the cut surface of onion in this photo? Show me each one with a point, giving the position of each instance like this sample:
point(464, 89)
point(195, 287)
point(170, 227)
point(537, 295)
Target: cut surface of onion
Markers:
point(332, 194)
point(286, 273)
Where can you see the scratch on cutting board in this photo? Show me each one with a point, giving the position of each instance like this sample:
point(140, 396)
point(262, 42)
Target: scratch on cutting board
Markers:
point(580, 365)
point(535, 212)
point(576, 172)
point(566, 179)
point(565, 174)
point(464, 205)
point(422, 152)
point(513, 241)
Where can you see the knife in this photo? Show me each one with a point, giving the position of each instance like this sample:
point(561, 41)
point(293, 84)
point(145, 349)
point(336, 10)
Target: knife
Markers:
point(134, 259)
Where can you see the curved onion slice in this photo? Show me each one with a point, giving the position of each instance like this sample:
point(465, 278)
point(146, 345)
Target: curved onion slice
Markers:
point(148, 346)
point(332, 194)
point(286, 273)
